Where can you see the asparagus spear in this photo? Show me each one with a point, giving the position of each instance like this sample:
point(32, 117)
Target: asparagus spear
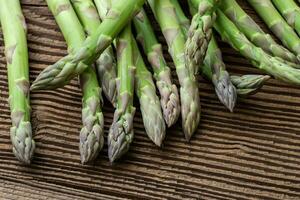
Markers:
point(225, 90)
point(276, 23)
point(121, 131)
point(106, 64)
point(249, 84)
point(290, 11)
point(14, 32)
point(149, 102)
point(68, 67)
point(183, 20)
point(162, 73)
point(190, 101)
point(253, 32)
point(256, 55)
point(200, 33)
point(91, 134)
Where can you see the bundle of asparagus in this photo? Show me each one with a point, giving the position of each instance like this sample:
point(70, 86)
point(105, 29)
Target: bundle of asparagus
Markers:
point(90, 27)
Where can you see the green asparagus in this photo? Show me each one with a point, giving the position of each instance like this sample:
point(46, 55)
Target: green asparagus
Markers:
point(91, 134)
point(225, 90)
point(249, 84)
point(106, 64)
point(149, 102)
point(189, 93)
point(290, 11)
point(260, 59)
point(213, 61)
point(199, 34)
point(183, 20)
point(121, 131)
point(276, 23)
point(14, 32)
point(245, 85)
point(73, 64)
point(162, 73)
point(253, 32)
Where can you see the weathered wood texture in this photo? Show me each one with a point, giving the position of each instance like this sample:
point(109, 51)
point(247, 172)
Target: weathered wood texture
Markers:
point(253, 153)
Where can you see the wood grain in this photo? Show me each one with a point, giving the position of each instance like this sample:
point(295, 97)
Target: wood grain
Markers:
point(253, 153)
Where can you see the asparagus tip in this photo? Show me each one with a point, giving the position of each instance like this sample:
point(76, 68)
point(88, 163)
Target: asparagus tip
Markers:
point(171, 107)
point(266, 78)
point(91, 142)
point(21, 136)
point(33, 87)
point(156, 131)
point(158, 141)
point(152, 115)
point(117, 147)
point(187, 136)
point(120, 134)
point(190, 109)
point(226, 92)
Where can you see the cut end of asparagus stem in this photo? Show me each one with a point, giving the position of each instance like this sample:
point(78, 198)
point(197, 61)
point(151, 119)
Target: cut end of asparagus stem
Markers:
point(152, 116)
point(190, 109)
point(91, 134)
point(120, 135)
point(225, 90)
point(21, 137)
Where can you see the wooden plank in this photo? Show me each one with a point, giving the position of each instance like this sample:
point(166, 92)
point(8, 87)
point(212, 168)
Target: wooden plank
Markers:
point(250, 154)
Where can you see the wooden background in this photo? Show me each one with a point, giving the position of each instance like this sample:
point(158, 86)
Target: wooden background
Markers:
point(250, 154)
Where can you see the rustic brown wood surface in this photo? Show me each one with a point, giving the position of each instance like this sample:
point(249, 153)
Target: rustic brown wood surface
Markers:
point(253, 153)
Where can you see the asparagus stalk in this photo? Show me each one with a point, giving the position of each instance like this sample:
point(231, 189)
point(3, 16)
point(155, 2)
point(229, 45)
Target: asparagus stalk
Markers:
point(256, 55)
point(106, 63)
point(121, 131)
point(290, 11)
point(91, 134)
point(253, 32)
point(225, 90)
point(14, 32)
point(183, 20)
point(276, 23)
point(149, 102)
point(162, 73)
point(200, 33)
point(213, 61)
point(190, 101)
point(75, 63)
